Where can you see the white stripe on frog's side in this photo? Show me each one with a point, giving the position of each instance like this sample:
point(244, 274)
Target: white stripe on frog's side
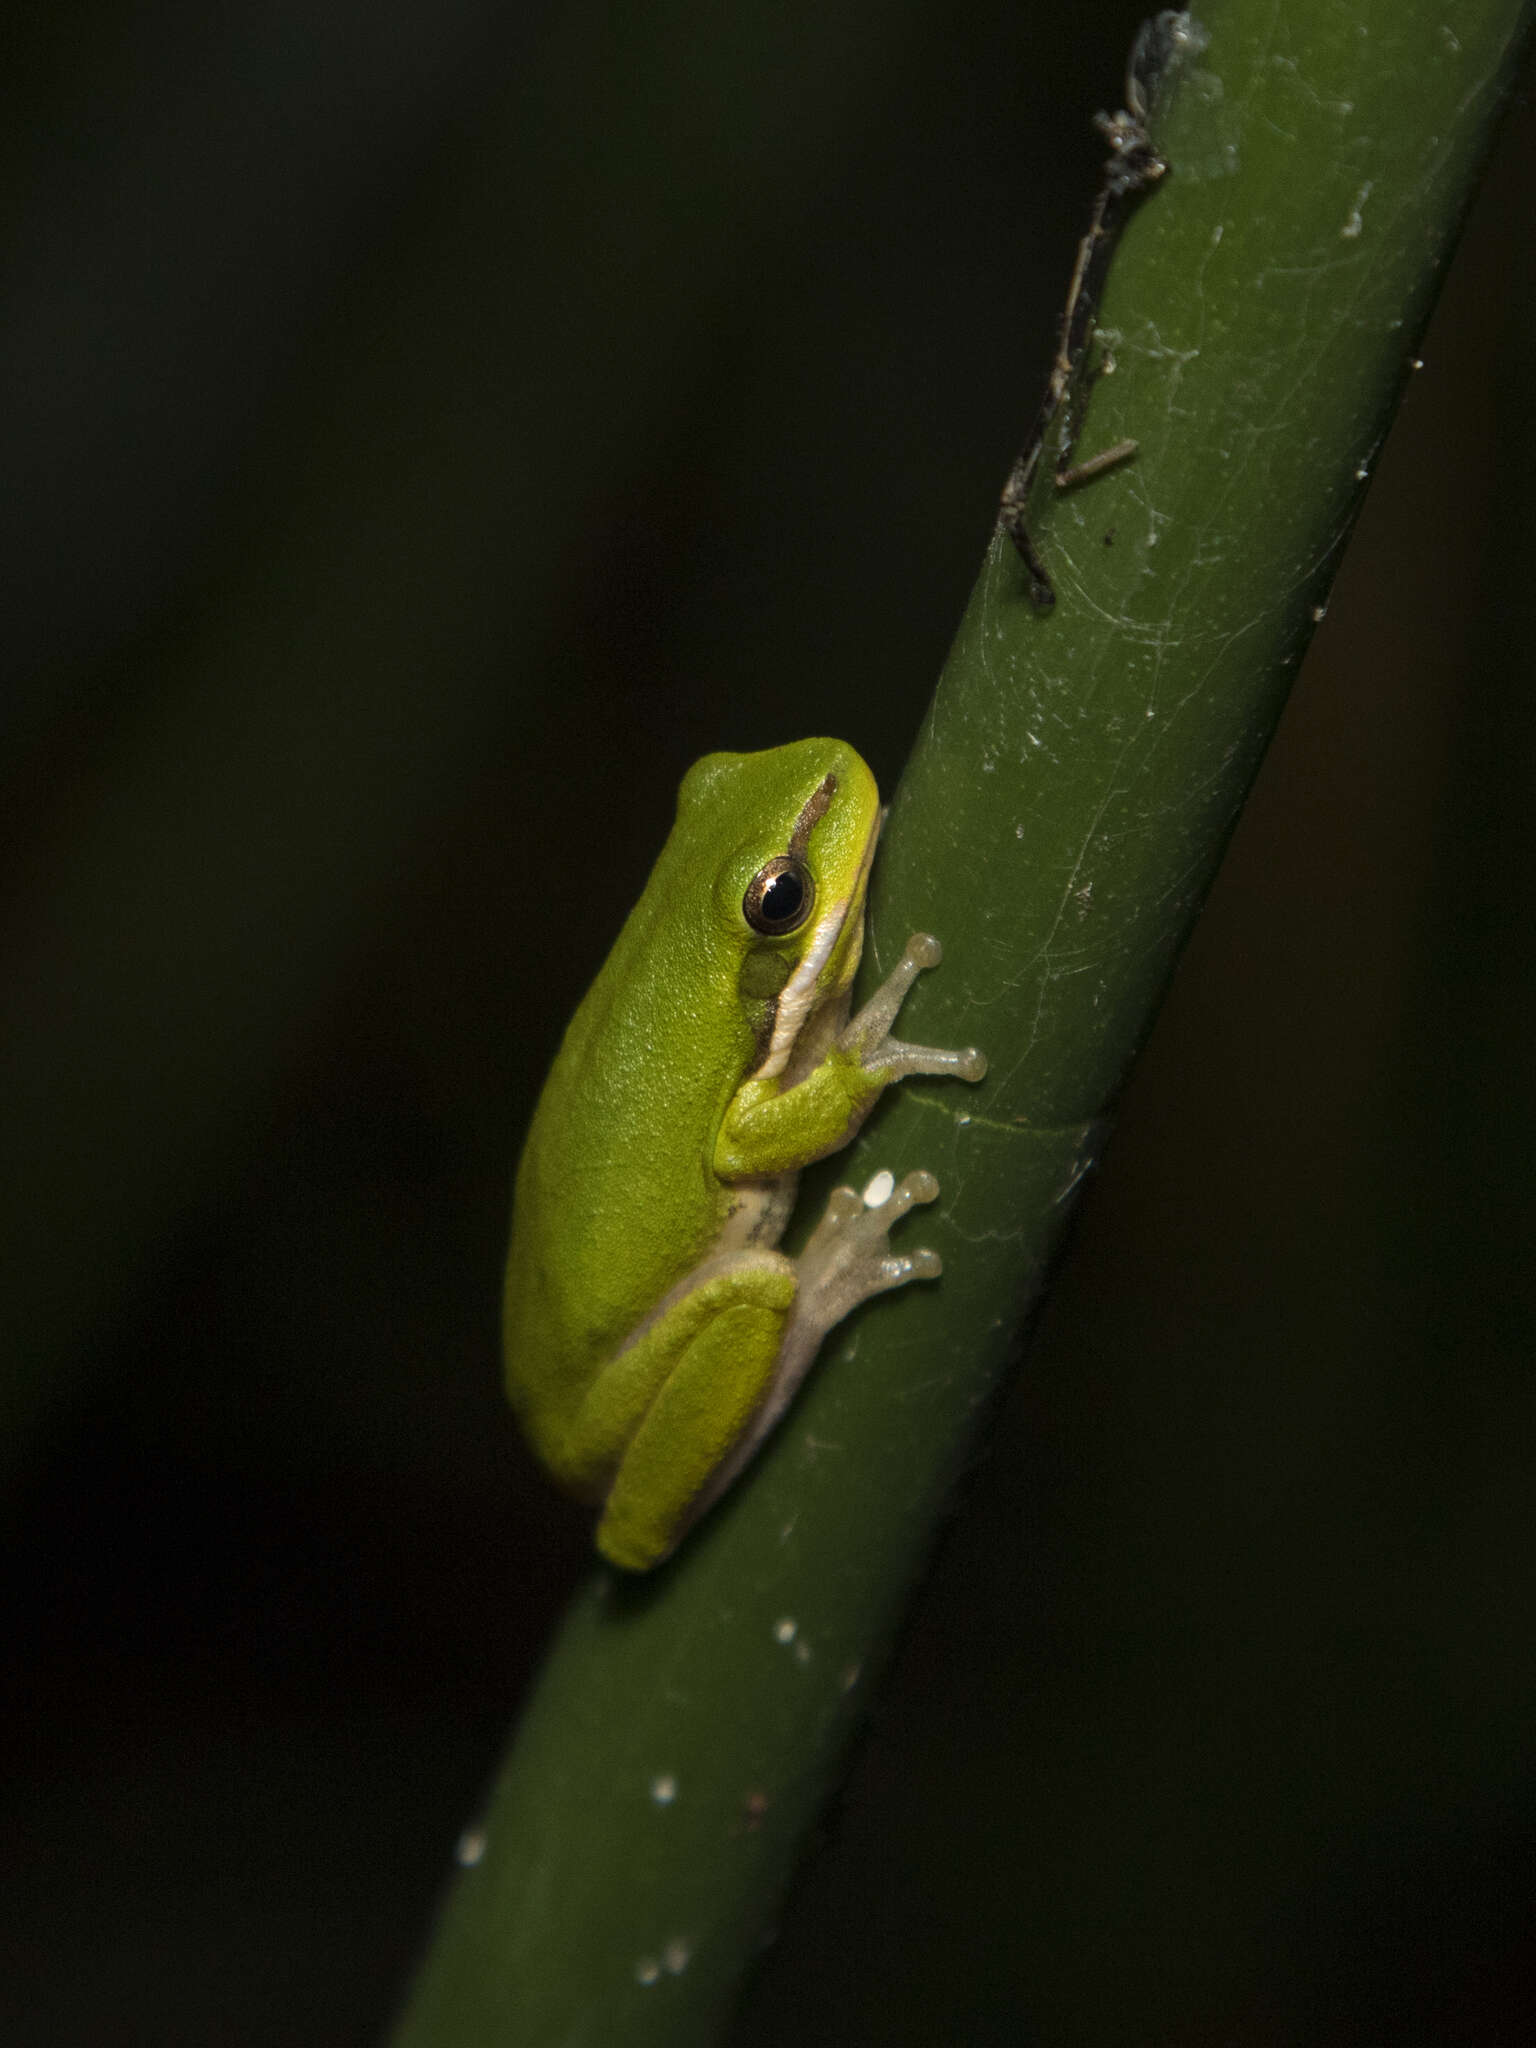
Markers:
point(797, 998)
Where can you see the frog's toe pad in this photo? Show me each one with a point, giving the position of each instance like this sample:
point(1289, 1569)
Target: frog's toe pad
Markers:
point(849, 1256)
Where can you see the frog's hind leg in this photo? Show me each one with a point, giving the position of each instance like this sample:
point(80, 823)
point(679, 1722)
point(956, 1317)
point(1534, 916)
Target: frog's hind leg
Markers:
point(735, 1349)
point(847, 1259)
point(717, 1353)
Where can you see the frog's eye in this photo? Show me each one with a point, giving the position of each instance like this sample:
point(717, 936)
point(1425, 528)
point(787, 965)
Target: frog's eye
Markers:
point(779, 897)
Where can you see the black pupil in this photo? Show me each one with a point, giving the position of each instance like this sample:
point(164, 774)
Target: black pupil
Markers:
point(783, 898)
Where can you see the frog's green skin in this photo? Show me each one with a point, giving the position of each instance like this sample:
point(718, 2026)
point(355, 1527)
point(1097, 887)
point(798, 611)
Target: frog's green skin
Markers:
point(653, 1333)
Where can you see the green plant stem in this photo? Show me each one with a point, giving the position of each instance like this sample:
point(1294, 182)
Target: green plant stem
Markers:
point(1058, 826)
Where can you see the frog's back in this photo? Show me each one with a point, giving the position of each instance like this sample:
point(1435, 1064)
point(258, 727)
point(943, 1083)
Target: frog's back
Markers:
point(616, 1198)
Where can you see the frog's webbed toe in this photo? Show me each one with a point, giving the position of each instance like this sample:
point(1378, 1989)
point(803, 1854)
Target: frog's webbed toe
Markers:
point(848, 1258)
point(849, 1255)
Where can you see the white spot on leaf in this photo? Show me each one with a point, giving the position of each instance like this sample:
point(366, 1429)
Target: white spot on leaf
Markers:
point(1350, 232)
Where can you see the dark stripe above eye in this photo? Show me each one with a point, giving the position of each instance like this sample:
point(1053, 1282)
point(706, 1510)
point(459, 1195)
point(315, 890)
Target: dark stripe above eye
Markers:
point(815, 810)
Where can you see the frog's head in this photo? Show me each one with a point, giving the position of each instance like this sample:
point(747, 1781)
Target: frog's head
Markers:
point(797, 827)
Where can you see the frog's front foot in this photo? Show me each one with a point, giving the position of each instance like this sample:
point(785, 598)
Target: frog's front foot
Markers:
point(867, 1036)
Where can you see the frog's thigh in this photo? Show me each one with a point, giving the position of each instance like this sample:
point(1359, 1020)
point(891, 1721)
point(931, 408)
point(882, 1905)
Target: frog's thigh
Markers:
point(719, 1377)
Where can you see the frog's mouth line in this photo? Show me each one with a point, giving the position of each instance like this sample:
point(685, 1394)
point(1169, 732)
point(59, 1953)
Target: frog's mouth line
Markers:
point(797, 998)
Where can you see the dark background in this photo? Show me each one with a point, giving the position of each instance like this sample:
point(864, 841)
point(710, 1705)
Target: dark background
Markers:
point(426, 430)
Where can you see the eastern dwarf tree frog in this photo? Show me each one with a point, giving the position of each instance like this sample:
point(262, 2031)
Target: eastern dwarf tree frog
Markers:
point(653, 1332)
